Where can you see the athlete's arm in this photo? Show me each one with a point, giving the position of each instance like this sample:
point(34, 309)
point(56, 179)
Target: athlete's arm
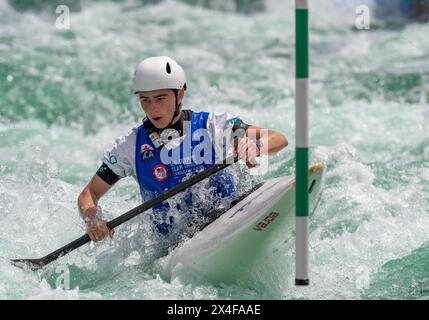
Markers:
point(275, 141)
point(256, 142)
point(87, 204)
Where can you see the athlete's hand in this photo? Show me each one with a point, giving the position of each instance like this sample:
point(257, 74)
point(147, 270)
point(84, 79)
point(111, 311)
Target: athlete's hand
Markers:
point(97, 228)
point(247, 150)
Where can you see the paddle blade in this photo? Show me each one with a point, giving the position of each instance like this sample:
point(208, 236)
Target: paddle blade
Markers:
point(32, 264)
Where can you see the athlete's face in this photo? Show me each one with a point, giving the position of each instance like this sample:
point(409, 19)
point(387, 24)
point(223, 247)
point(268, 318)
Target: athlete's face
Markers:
point(159, 105)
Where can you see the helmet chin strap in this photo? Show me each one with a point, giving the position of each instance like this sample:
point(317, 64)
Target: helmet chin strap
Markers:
point(176, 111)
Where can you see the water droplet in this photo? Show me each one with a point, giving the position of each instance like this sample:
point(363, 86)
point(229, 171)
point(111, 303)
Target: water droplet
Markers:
point(9, 78)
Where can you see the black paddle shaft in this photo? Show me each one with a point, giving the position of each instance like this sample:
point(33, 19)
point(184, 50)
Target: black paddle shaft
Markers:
point(38, 263)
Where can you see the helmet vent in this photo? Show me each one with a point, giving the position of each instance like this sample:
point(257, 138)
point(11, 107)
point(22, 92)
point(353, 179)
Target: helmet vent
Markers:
point(168, 68)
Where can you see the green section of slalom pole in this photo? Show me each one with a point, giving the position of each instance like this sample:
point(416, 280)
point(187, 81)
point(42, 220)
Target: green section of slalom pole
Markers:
point(301, 27)
point(302, 199)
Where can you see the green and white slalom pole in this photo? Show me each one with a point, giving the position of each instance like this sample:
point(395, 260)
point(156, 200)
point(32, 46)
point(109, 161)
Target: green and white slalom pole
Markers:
point(301, 137)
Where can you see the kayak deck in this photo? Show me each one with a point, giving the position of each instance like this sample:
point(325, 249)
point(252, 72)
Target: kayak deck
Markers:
point(225, 249)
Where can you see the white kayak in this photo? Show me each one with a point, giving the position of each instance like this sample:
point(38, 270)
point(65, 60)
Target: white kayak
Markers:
point(225, 250)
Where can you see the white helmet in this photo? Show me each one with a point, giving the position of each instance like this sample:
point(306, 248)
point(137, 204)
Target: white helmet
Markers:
point(156, 73)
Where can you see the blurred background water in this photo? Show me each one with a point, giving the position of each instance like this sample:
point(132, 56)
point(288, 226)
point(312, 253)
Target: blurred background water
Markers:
point(66, 94)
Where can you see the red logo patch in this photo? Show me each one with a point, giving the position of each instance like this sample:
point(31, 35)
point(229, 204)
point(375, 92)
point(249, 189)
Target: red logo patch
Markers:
point(160, 172)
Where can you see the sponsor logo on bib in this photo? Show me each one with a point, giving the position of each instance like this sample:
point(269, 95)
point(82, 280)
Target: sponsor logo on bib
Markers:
point(147, 152)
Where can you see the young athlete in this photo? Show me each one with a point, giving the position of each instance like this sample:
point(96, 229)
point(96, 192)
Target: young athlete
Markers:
point(171, 145)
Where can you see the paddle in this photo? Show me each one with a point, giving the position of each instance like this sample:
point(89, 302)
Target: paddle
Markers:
point(39, 263)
